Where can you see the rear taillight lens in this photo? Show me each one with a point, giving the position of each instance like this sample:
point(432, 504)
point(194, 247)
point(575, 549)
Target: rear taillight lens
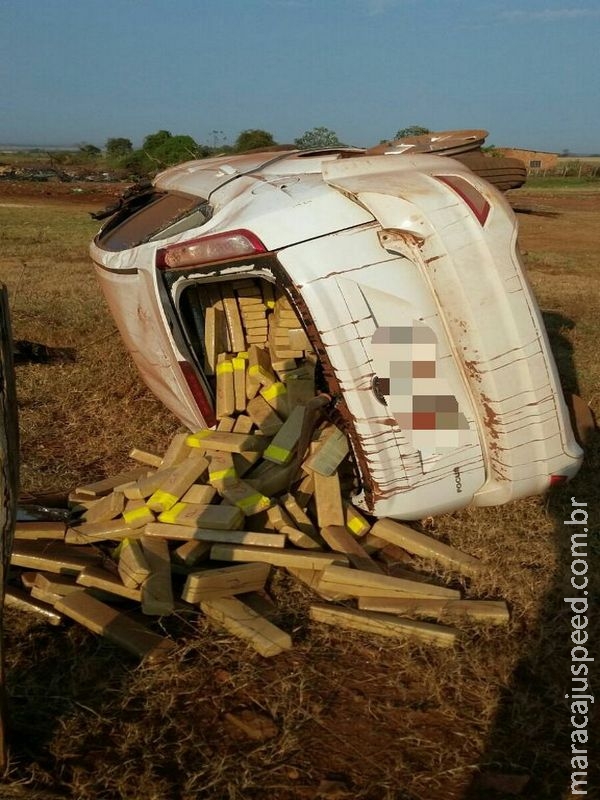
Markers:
point(558, 480)
point(467, 192)
point(210, 249)
point(202, 401)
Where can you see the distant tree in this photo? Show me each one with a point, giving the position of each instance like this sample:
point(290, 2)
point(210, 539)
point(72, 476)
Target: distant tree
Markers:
point(180, 148)
point(56, 157)
point(155, 140)
point(317, 138)
point(136, 164)
point(162, 149)
point(118, 147)
point(89, 150)
point(253, 138)
point(412, 130)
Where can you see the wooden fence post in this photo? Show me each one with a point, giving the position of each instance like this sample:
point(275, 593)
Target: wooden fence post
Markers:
point(9, 484)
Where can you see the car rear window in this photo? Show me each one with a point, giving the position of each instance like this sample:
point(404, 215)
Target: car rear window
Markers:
point(152, 215)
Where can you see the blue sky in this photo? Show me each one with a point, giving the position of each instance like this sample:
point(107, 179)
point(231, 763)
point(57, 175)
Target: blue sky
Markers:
point(526, 71)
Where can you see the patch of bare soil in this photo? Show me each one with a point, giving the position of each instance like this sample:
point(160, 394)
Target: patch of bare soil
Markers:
point(89, 193)
point(561, 222)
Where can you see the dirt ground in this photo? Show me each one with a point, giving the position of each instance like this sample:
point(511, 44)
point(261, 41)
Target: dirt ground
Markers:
point(357, 717)
point(75, 193)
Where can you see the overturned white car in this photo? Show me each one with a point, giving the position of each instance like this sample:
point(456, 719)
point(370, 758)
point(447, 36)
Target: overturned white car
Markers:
point(405, 276)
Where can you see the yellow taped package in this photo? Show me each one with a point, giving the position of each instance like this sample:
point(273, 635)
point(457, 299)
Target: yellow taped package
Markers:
point(355, 522)
point(221, 517)
point(229, 442)
point(172, 514)
point(246, 498)
point(277, 454)
point(221, 474)
point(275, 390)
point(254, 503)
point(276, 397)
point(286, 439)
point(354, 525)
point(196, 439)
point(225, 400)
point(258, 372)
point(239, 383)
point(215, 336)
point(259, 366)
point(178, 482)
point(138, 517)
point(163, 499)
point(267, 294)
point(221, 468)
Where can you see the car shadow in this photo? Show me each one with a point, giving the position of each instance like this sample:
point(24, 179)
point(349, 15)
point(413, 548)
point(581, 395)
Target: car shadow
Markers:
point(536, 212)
point(527, 756)
point(51, 674)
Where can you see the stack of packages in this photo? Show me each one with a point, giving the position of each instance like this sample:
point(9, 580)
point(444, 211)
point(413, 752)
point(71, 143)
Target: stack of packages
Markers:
point(241, 314)
point(206, 525)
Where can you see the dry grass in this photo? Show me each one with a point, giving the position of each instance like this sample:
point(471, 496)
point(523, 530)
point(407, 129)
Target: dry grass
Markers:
point(356, 716)
point(77, 420)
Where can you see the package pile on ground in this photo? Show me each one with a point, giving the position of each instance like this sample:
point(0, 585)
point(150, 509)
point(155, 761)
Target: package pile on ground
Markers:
point(205, 525)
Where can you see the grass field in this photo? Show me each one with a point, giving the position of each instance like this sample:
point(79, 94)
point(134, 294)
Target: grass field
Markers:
point(355, 716)
point(553, 182)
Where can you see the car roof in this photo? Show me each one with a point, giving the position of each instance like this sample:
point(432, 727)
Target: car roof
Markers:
point(203, 176)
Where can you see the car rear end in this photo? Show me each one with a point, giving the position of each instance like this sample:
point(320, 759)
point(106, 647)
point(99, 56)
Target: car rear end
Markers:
point(405, 277)
point(458, 273)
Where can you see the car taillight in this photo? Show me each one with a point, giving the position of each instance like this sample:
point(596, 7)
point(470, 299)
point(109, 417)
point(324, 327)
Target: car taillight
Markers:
point(558, 480)
point(210, 249)
point(467, 192)
point(198, 393)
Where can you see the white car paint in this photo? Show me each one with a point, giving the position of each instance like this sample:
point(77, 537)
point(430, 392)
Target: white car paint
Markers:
point(367, 244)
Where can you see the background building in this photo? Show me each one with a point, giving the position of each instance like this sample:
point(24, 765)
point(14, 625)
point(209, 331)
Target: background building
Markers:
point(533, 159)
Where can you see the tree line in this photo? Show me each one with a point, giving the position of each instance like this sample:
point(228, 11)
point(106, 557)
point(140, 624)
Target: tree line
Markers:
point(163, 149)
